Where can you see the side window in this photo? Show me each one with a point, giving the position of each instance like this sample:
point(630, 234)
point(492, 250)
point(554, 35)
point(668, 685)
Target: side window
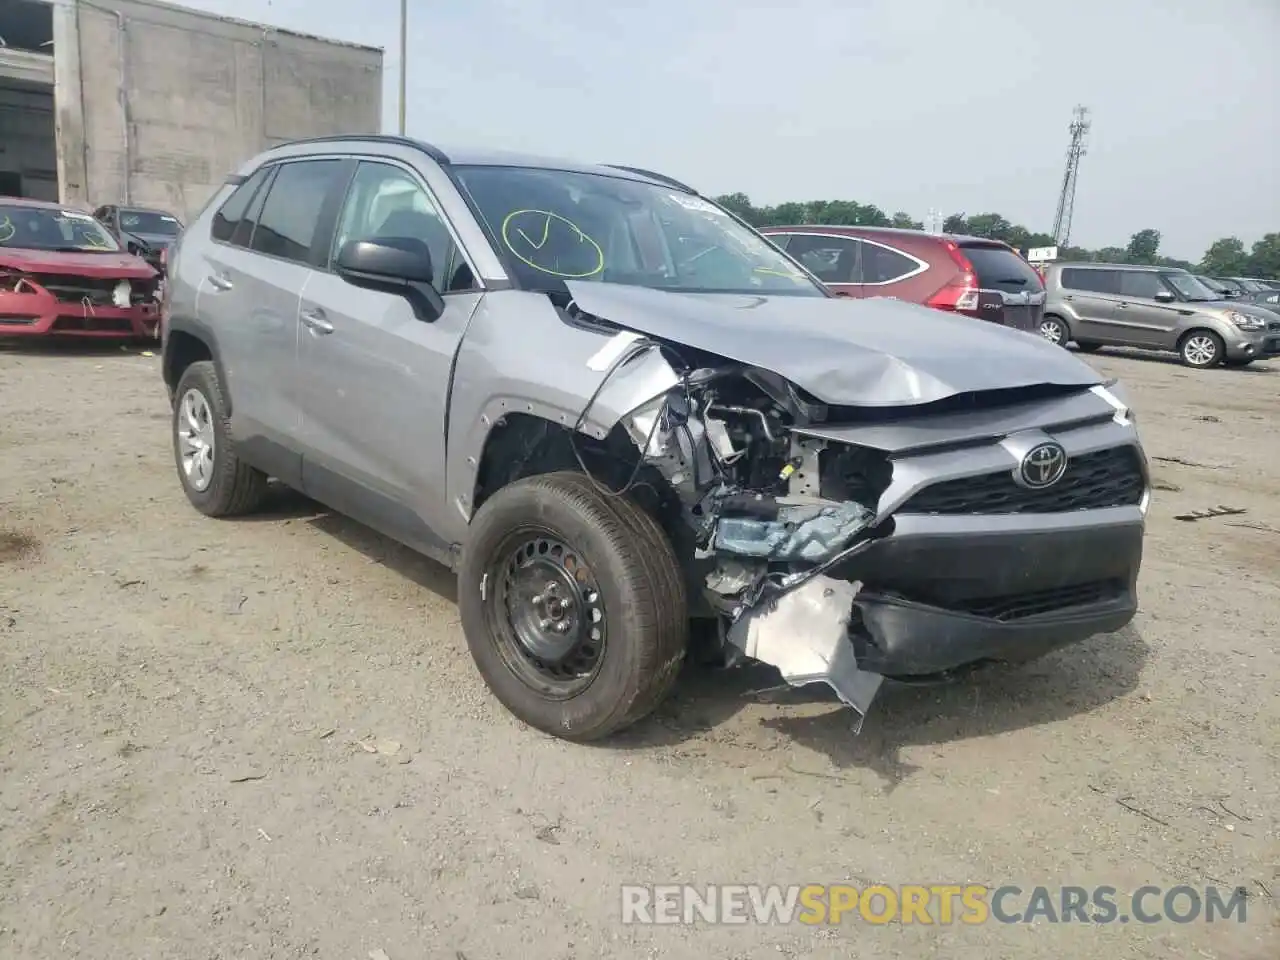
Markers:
point(232, 210)
point(387, 201)
point(779, 240)
point(830, 259)
point(243, 235)
point(882, 265)
point(1091, 281)
point(1141, 284)
point(291, 213)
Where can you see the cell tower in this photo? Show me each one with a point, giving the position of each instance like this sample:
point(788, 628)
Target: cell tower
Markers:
point(1067, 198)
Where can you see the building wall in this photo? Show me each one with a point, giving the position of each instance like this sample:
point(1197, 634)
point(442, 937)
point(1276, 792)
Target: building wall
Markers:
point(161, 103)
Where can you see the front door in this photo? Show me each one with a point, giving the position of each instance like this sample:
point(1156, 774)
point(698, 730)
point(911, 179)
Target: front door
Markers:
point(1140, 317)
point(375, 377)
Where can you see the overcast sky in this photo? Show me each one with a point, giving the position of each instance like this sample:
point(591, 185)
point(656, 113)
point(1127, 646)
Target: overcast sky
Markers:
point(908, 104)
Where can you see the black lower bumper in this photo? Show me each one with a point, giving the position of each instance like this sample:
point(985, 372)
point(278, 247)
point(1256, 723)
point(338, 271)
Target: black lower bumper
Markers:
point(934, 602)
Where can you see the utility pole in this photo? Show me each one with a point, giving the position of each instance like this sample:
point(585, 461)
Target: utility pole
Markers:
point(404, 57)
point(1080, 125)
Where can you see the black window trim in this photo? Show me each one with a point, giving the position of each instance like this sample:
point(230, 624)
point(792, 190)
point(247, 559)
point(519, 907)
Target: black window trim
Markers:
point(236, 182)
point(339, 181)
point(1091, 269)
point(479, 285)
point(328, 222)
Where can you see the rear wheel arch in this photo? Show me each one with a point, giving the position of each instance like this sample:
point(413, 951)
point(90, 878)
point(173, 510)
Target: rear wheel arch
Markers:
point(185, 345)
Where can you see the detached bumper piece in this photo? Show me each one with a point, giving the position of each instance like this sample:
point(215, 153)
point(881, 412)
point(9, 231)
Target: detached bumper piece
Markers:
point(57, 305)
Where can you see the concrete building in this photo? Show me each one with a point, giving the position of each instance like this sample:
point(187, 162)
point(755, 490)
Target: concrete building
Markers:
point(143, 102)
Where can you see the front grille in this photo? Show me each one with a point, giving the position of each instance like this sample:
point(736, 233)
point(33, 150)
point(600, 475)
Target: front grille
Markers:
point(95, 291)
point(1022, 605)
point(111, 324)
point(1093, 481)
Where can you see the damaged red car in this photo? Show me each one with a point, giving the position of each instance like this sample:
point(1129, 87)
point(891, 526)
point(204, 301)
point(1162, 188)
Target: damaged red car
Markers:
point(62, 273)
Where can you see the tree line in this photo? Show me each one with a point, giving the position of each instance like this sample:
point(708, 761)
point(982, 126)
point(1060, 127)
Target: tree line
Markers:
point(1227, 257)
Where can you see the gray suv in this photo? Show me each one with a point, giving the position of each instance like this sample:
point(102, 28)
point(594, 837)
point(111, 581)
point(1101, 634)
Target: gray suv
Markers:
point(616, 410)
point(1157, 308)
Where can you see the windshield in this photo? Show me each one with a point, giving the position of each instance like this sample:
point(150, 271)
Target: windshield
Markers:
point(553, 225)
point(1189, 288)
point(144, 221)
point(48, 228)
point(1220, 289)
point(1250, 286)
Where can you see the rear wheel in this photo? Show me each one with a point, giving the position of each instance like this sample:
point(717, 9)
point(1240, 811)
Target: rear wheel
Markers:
point(573, 606)
point(1201, 348)
point(216, 481)
point(1054, 329)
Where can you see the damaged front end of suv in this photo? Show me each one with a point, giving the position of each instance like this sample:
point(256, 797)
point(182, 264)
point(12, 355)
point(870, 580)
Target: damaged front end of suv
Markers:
point(933, 498)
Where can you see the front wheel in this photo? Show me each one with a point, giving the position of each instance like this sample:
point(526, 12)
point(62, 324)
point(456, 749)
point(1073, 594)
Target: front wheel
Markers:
point(1055, 330)
point(1201, 348)
point(573, 606)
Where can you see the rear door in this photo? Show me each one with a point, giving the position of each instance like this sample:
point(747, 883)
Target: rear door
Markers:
point(1010, 292)
point(832, 258)
point(1092, 292)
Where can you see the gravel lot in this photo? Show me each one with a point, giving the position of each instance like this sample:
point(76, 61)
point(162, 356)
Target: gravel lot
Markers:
point(184, 700)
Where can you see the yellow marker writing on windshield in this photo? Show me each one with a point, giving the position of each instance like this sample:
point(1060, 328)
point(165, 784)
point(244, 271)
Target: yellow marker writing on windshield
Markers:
point(508, 227)
point(7, 230)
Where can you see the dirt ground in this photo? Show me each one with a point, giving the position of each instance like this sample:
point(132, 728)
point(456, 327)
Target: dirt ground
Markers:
point(183, 699)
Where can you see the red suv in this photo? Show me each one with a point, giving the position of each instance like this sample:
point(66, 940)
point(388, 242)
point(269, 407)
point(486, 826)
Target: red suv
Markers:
point(970, 275)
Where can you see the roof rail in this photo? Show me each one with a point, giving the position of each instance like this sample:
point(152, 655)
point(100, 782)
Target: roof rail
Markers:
point(660, 177)
point(435, 153)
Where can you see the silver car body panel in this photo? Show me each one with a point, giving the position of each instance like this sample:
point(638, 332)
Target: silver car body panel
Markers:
point(875, 352)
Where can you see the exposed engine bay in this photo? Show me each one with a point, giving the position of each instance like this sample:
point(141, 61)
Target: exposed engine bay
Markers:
point(777, 514)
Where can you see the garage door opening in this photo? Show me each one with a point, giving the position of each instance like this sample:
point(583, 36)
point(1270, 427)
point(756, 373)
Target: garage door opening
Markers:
point(28, 134)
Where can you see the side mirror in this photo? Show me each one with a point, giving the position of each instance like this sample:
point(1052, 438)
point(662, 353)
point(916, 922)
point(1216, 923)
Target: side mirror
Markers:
point(1164, 296)
point(393, 265)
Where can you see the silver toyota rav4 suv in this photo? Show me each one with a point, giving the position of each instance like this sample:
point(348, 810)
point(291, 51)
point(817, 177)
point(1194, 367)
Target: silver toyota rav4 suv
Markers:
point(616, 410)
point(1157, 308)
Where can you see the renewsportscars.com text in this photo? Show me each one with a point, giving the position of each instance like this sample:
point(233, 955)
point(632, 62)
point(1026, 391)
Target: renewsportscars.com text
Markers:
point(943, 904)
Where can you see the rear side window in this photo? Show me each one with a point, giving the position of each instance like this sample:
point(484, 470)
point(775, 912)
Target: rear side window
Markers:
point(1140, 284)
point(243, 235)
point(999, 268)
point(830, 259)
point(779, 240)
point(291, 212)
point(232, 210)
point(882, 265)
point(1091, 281)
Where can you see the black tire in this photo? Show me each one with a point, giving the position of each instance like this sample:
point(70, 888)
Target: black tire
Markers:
point(641, 591)
point(236, 487)
point(1197, 337)
point(1052, 321)
point(1088, 346)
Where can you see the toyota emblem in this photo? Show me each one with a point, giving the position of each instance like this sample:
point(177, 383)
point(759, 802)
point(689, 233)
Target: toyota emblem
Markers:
point(1043, 466)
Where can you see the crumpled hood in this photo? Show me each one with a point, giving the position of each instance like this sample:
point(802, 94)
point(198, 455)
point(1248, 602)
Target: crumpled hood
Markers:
point(877, 352)
point(109, 265)
point(1247, 307)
